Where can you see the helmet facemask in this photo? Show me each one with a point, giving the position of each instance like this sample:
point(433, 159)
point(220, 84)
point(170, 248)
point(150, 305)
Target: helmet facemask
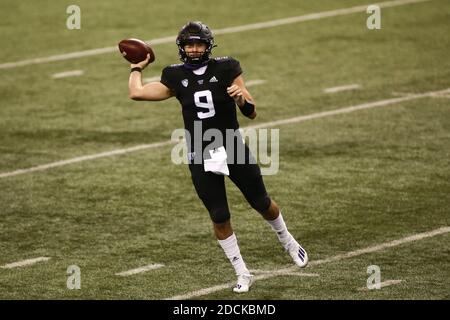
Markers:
point(191, 32)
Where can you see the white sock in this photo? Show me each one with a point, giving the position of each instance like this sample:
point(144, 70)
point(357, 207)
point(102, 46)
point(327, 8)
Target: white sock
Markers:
point(231, 248)
point(280, 228)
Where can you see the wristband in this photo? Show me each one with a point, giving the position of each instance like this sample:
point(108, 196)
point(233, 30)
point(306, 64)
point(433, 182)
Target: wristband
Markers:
point(247, 109)
point(136, 69)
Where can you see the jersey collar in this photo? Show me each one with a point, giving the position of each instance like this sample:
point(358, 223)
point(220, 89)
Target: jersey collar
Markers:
point(191, 66)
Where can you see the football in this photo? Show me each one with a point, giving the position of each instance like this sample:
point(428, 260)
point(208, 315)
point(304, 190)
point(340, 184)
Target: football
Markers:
point(135, 50)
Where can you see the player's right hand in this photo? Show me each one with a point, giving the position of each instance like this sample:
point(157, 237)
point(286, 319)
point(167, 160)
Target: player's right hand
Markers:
point(142, 64)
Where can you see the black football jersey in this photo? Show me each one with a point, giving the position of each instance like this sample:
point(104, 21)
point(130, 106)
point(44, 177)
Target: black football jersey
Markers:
point(204, 97)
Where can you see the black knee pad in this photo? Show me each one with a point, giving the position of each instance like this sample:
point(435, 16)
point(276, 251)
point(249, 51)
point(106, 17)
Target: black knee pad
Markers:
point(219, 214)
point(261, 204)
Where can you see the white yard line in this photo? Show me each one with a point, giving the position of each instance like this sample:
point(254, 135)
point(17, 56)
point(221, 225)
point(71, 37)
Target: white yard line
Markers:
point(434, 95)
point(247, 27)
point(299, 274)
point(152, 79)
point(284, 273)
point(24, 263)
point(86, 158)
point(342, 88)
point(66, 74)
point(257, 82)
point(380, 103)
point(363, 106)
point(140, 270)
point(278, 272)
point(402, 94)
point(441, 95)
point(395, 243)
point(383, 284)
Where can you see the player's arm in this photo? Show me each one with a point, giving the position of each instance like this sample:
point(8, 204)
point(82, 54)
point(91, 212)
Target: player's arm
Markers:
point(242, 97)
point(153, 91)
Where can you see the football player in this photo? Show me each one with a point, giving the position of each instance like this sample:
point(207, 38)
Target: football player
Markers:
point(208, 90)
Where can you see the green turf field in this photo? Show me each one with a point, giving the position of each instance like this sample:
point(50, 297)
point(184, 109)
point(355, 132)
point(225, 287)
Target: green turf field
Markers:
point(345, 182)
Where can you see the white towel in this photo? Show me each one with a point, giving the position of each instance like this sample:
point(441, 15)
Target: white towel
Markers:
point(218, 162)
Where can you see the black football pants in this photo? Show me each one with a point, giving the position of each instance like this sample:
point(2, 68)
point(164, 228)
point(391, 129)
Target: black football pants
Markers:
point(210, 188)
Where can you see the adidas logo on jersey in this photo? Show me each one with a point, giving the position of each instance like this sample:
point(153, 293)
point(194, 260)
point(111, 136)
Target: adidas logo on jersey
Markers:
point(213, 79)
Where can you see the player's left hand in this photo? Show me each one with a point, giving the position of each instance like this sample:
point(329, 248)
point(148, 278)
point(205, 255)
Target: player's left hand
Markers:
point(236, 93)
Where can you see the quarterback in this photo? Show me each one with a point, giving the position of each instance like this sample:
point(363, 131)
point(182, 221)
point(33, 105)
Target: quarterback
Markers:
point(209, 89)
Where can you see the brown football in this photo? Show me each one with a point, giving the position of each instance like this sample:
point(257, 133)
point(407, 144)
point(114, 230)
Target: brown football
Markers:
point(135, 50)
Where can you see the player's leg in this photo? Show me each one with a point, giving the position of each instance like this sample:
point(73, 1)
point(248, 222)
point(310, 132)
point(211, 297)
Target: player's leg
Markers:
point(228, 241)
point(247, 177)
point(211, 190)
point(275, 219)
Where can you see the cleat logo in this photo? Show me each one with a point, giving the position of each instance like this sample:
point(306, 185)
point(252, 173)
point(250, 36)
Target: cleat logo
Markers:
point(235, 259)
